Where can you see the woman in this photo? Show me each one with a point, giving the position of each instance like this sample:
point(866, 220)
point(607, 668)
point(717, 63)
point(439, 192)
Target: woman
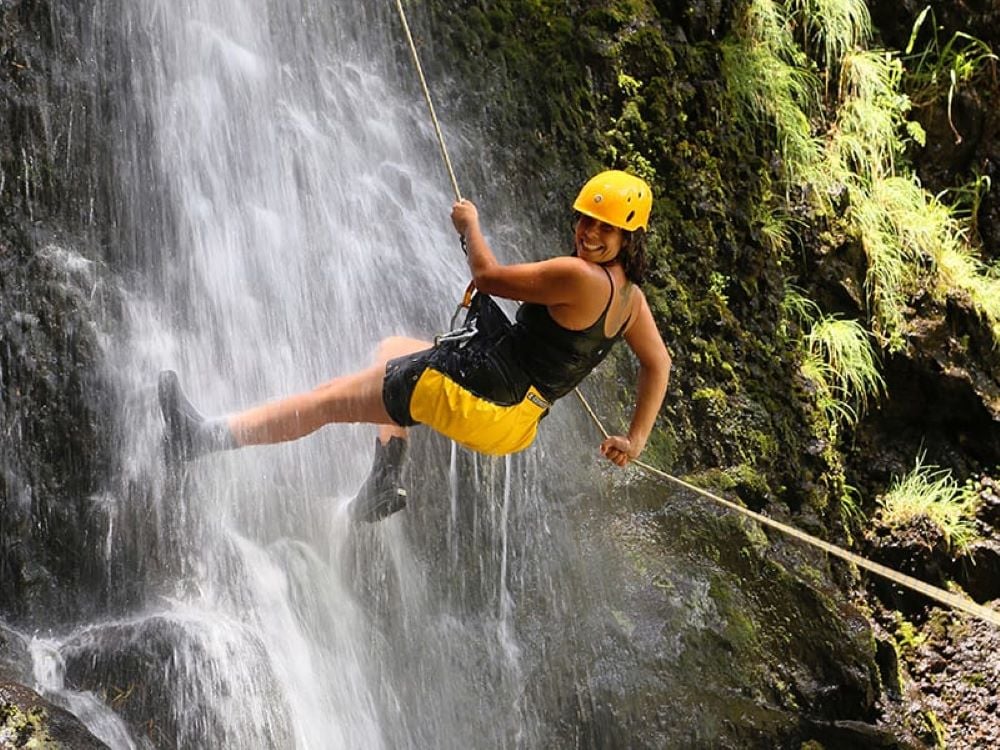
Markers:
point(488, 385)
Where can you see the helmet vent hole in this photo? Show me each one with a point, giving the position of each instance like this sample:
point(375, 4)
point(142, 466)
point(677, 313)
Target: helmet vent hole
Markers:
point(629, 217)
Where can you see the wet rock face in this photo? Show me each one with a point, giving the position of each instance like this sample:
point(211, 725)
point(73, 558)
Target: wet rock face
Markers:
point(979, 571)
point(51, 136)
point(53, 451)
point(26, 718)
point(948, 663)
point(716, 637)
point(919, 548)
point(145, 668)
point(953, 670)
point(52, 462)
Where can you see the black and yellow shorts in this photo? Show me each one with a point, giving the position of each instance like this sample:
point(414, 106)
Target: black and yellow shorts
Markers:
point(469, 393)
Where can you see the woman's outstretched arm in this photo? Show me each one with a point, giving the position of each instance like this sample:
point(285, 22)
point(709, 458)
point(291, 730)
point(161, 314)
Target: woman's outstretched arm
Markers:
point(644, 339)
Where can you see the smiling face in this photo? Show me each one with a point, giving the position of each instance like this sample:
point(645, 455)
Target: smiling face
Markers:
point(597, 241)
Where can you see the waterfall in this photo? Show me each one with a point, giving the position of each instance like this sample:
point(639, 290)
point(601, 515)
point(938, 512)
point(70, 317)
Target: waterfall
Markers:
point(282, 208)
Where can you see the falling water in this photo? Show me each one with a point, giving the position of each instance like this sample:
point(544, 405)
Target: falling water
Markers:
point(282, 209)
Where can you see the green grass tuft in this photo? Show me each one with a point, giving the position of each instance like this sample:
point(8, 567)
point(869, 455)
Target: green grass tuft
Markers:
point(835, 26)
point(931, 493)
point(851, 367)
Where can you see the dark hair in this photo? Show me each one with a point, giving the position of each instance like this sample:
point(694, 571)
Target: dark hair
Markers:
point(633, 255)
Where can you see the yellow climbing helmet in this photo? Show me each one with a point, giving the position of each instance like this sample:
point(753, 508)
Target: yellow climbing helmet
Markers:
point(617, 198)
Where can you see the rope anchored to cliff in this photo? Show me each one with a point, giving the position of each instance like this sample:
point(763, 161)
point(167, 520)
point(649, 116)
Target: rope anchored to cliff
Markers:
point(914, 584)
point(934, 593)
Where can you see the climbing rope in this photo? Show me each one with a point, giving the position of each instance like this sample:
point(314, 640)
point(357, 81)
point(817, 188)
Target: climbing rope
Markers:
point(427, 98)
point(935, 593)
point(915, 584)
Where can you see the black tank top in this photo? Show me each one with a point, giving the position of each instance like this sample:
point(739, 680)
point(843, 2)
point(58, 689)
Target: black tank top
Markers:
point(555, 358)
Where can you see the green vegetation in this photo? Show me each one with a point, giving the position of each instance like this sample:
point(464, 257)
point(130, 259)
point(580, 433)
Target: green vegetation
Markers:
point(789, 137)
point(840, 353)
point(908, 636)
point(802, 78)
point(936, 70)
point(835, 26)
point(20, 728)
point(772, 84)
point(627, 130)
point(932, 494)
point(850, 147)
point(936, 730)
point(840, 365)
point(774, 225)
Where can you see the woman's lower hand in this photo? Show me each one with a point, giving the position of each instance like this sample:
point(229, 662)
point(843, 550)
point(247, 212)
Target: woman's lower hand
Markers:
point(619, 450)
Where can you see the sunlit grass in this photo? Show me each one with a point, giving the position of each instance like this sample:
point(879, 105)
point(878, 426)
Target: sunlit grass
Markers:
point(774, 224)
point(838, 358)
point(923, 224)
point(828, 398)
point(769, 78)
point(888, 275)
point(864, 143)
point(798, 306)
point(770, 91)
point(865, 140)
point(931, 493)
point(852, 369)
point(926, 233)
point(872, 75)
point(767, 22)
point(960, 270)
point(836, 26)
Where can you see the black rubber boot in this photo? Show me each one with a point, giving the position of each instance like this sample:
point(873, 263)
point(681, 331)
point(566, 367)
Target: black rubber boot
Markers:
point(189, 433)
point(383, 493)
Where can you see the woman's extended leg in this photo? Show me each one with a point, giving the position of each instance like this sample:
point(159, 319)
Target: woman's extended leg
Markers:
point(350, 398)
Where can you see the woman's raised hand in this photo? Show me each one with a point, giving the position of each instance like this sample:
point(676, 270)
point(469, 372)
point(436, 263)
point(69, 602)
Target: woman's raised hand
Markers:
point(464, 216)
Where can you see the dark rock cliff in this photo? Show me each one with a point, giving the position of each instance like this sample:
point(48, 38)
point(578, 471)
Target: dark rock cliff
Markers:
point(54, 455)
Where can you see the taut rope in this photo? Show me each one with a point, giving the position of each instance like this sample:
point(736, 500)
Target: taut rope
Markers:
point(427, 98)
point(914, 584)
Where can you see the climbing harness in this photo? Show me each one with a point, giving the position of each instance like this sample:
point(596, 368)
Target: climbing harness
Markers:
point(935, 593)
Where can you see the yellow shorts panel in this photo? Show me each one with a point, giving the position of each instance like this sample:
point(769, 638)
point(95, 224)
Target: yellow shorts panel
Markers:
point(457, 413)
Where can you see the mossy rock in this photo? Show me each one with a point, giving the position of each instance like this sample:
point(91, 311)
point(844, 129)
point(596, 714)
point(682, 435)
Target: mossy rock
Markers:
point(27, 720)
point(746, 639)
